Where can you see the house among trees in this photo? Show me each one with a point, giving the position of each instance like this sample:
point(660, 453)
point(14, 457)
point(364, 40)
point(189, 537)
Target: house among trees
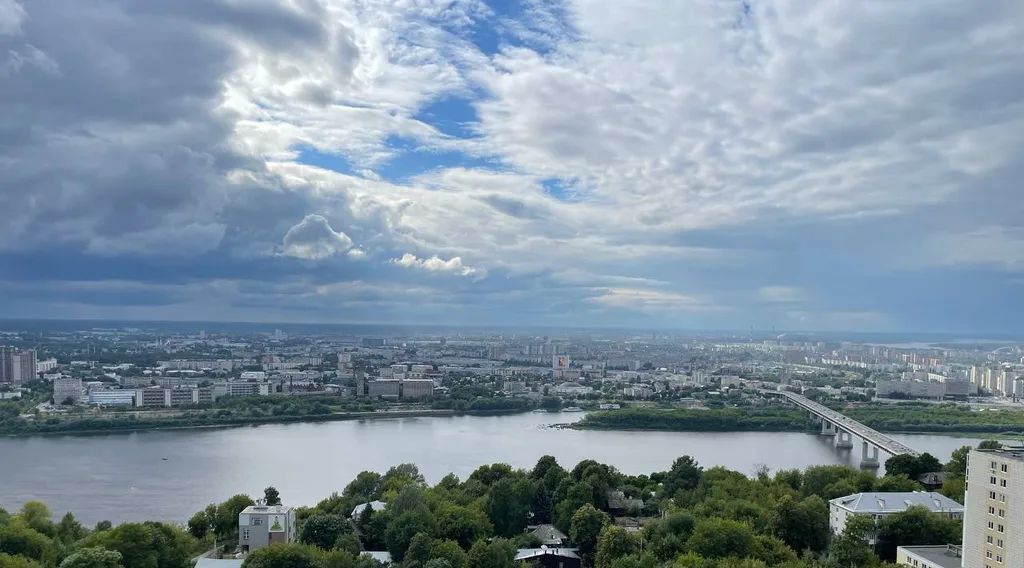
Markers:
point(550, 557)
point(620, 505)
point(548, 535)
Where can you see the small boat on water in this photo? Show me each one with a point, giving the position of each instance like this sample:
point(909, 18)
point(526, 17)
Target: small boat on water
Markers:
point(572, 409)
point(539, 410)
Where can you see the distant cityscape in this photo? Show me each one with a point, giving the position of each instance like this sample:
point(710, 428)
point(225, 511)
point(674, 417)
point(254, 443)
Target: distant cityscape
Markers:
point(136, 367)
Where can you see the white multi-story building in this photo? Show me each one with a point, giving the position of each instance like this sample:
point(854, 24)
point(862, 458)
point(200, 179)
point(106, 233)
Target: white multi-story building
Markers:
point(882, 504)
point(994, 519)
point(46, 365)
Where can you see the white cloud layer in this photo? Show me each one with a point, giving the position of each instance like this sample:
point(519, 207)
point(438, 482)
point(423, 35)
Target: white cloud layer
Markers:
point(435, 264)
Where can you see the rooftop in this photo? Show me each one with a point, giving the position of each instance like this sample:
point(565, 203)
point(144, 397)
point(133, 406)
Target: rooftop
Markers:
point(896, 501)
point(941, 556)
point(1009, 452)
point(267, 509)
point(528, 553)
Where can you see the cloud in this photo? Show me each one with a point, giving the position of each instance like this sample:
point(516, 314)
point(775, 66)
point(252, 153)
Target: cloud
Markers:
point(998, 246)
point(435, 264)
point(12, 15)
point(314, 239)
point(650, 300)
point(607, 161)
point(780, 294)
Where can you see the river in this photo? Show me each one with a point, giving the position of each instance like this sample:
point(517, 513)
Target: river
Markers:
point(168, 475)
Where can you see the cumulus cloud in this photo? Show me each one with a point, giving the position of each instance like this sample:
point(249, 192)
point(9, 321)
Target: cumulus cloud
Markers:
point(435, 264)
point(313, 238)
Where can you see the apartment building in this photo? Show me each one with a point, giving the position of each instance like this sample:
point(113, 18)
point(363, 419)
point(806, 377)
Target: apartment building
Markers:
point(994, 517)
point(882, 504)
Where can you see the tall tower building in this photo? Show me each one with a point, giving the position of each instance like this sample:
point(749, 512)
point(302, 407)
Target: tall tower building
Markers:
point(994, 509)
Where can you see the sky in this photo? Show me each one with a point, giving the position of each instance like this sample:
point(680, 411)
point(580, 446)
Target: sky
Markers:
point(708, 164)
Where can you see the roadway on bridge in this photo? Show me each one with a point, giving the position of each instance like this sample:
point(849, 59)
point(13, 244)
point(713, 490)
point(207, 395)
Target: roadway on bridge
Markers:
point(884, 442)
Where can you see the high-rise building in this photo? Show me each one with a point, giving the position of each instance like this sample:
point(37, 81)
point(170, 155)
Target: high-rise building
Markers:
point(17, 366)
point(994, 509)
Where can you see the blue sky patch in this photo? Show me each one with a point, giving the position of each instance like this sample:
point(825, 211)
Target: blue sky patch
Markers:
point(335, 162)
point(454, 116)
point(413, 159)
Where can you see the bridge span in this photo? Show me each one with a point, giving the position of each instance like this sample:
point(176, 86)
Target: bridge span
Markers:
point(844, 428)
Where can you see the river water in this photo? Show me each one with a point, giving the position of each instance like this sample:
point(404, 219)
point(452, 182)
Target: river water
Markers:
point(168, 475)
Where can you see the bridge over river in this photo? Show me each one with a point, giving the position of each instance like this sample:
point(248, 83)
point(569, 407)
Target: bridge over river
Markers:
point(844, 428)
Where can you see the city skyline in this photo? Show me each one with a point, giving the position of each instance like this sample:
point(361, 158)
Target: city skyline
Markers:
point(713, 166)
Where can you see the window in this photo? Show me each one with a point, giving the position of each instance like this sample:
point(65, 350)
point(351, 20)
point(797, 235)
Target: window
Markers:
point(991, 525)
point(993, 464)
point(992, 479)
point(1002, 482)
point(988, 539)
point(991, 510)
point(988, 554)
point(1002, 497)
point(999, 543)
point(245, 534)
point(257, 521)
point(1003, 468)
point(1001, 528)
point(999, 558)
point(991, 494)
point(1002, 512)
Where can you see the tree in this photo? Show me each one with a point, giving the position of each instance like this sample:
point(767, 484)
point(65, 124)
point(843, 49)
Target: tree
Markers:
point(17, 539)
point(366, 486)
point(989, 445)
point(584, 530)
point(508, 503)
point(403, 528)
point(912, 466)
point(450, 552)
point(69, 530)
point(93, 557)
point(915, 526)
point(146, 545)
point(418, 551)
point(957, 464)
point(683, 475)
point(900, 482)
point(464, 525)
point(544, 465)
point(103, 526)
point(199, 525)
point(613, 543)
point(851, 549)
point(37, 516)
point(271, 496)
point(283, 556)
point(801, 524)
point(323, 530)
point(226, 516)
point(718, 538)
point(8, 561)
point(498, 553)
